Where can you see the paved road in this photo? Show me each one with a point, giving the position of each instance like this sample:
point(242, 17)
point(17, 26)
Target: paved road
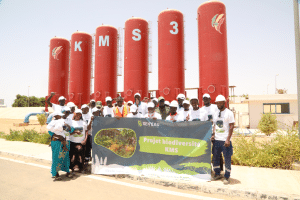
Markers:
point(20, 180)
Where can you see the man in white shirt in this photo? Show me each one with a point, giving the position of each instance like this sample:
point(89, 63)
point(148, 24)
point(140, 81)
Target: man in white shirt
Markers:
point(173, 112)
point(151, 112)
point(56, 107)
point(133, 112)
point(221, 138)
point(196, 114)
point(208, 108)
point(142, 107)
point(180, 99)
point(185, 115)
point(108, 110)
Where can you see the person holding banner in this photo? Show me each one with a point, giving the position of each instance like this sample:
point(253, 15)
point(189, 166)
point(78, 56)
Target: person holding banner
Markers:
point(186, 113)
point(223, 128)
point(173, 112)
point(133, 112)
point(78, 140)
point(142, 106)
point(108, 110)
point(196, 114)
point(121, 110)
point(151, 112)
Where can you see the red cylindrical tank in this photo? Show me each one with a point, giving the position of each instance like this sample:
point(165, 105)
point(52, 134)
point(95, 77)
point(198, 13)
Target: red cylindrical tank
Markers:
point(213, 57)
point(135, 58)
point(80, 68)
point(106, 49)
point(58, 68)
point(170, 54)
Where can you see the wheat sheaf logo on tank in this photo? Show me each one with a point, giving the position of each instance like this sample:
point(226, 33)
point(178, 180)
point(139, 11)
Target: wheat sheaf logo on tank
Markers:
point(217, 21)
point(56, 51)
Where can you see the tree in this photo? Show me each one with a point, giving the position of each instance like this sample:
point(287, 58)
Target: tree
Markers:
point(268, 124)
point(281, 91)
point(22, 101)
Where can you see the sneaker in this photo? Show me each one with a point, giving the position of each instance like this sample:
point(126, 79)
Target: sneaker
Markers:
point(216, 177)
point(226, 181)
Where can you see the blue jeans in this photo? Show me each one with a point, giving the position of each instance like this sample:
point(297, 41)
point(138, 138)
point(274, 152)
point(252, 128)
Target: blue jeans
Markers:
point(218, 147)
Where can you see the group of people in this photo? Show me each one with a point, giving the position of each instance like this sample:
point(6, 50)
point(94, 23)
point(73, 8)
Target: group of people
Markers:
point(71, 134)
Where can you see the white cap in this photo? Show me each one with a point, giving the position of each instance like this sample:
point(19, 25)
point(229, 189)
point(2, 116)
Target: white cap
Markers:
point(220, 98)
point(57, 113)
point(155, 99)
point(174, 104)
point(133, 108)
point(186, 102)
point(129, 102)
point(194, 97)
point(66, 109)
point(108, 99)
point(150, 105)
point(61, 98)
point(181, 96)
point(95, 109)
point(206, 95)
point(137, 94)
point(167, 103)
point(92, 100)
point(78, 111)
point(70, 104)
point(84, 106)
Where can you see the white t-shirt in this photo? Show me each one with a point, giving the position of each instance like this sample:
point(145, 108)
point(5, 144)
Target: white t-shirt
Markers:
point(197, 114)
point(58, 128)
point(108, 111)
point(180, 109)
point(142, 108)
point(210, 110)
point(57, 107)
point(183, 114)
point(51, 125)
point(81, 126)
point(69, 122)
point(71, 116)
point(169, 118)
point(222, 124)
point(130, 115)
point(87, 119)
point(153, 115)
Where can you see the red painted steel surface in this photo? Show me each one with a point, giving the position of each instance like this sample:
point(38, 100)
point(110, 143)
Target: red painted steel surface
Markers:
point(80, 68)
point(170, 54)
point(58, 68)
point(213, 57)
point(136, 58)
point(106, 49)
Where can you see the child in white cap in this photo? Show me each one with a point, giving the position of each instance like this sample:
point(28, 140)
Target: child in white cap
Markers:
point(108, 110)
point(196, 114)
point(151, 112)
point(186, 113)
point(133, 112)
point(173, 112)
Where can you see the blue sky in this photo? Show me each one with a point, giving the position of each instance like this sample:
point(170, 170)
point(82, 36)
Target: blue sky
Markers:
point(261, 41)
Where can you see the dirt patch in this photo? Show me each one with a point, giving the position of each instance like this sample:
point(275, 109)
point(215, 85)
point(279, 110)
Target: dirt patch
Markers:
point(7, 124)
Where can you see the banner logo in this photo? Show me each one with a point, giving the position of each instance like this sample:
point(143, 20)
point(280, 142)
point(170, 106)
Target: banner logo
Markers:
point(56, 51)
point(217, 21)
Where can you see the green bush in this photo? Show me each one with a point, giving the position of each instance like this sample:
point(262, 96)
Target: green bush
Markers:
point(42, 119)
point(281, 152)
point(28, 136)
point(268, 123)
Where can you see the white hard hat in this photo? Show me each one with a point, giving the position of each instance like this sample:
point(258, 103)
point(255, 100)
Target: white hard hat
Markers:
point(137, 94)
point(108, 99)
point(133, 108)
point(155, 99)
point(61, 98)
point(66, 109)
point(181, 96)
point(194, 97)
point(78, 111)
point(206, 95)
point(129, 102)
point(186, 102)
point(70, 104)
point(167, 103)
point(57, 113)
point(95, 109)
point(174, 104)
point(220, 98)
point(92, 100)
point(84, 106)
point(150, 105)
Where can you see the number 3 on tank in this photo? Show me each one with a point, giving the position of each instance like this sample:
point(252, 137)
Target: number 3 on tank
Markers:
point(175, 27)
point(136, 32)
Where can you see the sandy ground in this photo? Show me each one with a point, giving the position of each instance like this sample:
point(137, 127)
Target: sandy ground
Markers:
point(7, 124)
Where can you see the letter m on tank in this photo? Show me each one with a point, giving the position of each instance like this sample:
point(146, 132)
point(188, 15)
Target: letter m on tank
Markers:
point(103, 41)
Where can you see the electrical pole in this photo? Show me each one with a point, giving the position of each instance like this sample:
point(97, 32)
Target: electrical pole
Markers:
point(297, 45)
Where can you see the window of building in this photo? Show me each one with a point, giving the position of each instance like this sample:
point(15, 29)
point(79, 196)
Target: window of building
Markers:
point(277, 108)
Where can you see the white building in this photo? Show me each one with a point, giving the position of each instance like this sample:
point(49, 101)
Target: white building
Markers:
point(284, 106)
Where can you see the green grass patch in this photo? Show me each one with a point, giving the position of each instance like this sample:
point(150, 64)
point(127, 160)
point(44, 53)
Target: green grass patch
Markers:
point(27, 136)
